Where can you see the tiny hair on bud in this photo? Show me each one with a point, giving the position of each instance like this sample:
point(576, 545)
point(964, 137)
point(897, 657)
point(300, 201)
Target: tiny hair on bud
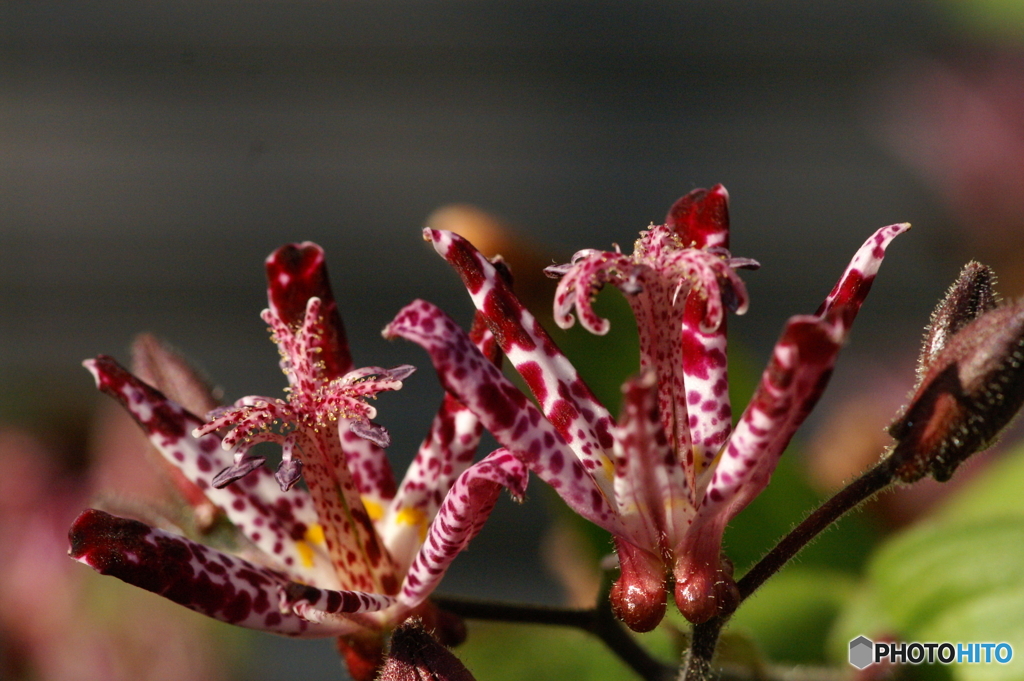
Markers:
point(970, 380)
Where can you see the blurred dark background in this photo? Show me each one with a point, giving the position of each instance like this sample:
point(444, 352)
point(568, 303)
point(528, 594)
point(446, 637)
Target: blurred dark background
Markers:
point(153, 153)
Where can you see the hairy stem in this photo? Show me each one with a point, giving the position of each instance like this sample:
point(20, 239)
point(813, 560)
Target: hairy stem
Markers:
point(851, 496)
point(702, 649)
point(705, 636)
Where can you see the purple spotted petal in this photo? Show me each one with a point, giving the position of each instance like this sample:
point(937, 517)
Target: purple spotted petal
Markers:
point(583, 422)
point(505, 411)
point(325, 605)
point(790, 386)
point(853, 287)
point(215, 584)
point(445, 453)
point(651, 490)
point(460, 518)
point(701, 218)
point(793, 381)
point(280, 525)
point(697, 393)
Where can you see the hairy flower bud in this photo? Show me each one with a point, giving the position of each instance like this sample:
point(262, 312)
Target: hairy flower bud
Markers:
point(971, 380)
point(706, 589)
point(970, 296)
point(416, 656)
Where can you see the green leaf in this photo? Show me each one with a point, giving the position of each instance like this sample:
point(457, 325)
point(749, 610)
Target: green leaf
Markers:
point(996, 491)
point(938, 566)
point(864, 614)
point(511, 652)
point(791, 615)
point(994, 617)
point(958, 578)
point(957, 581)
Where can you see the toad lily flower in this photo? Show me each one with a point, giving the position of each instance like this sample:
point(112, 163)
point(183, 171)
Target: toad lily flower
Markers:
point(351, 557)
point(667, 477)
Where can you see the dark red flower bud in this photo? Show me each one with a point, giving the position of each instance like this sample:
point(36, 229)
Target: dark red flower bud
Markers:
point(706, 590)
point(416, 656)
point(971, 380)
point(638, 596)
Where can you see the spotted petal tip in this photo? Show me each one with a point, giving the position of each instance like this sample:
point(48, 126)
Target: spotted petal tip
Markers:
point(202, 579)
point(855, 283)
point(295, 274)
point(94, 367)
point(701, 218)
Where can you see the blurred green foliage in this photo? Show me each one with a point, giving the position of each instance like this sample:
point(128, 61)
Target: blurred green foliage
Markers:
point(957, 577)
point(1000, 21)
point(512, 652)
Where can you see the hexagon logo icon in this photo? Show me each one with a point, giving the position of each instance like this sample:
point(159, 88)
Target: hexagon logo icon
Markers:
point(861, 652)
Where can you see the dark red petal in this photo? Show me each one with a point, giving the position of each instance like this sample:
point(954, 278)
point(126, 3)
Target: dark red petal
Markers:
point(701, 218)
point(215, 584)
point(638, 596)
point(296, 273)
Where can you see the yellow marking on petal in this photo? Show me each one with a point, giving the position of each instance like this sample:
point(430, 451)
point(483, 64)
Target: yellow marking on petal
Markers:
point(315, 534)
point(705, 463)
point(373, 509)
point(305, 553)
point(673, 504)
point(413, 516)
